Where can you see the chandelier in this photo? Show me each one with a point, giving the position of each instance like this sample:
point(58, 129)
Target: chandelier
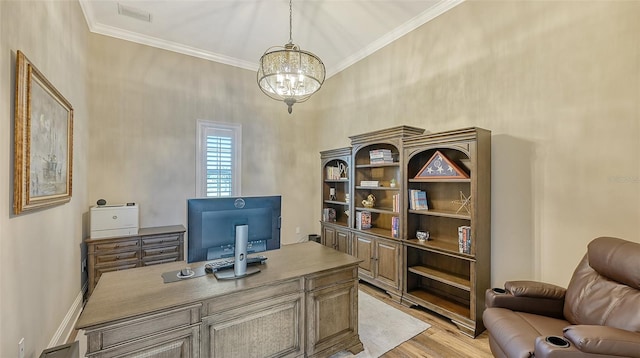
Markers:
point(288, 73)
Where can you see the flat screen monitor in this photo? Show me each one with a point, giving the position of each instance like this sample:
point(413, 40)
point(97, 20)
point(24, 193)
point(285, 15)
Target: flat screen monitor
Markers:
point(212, 225)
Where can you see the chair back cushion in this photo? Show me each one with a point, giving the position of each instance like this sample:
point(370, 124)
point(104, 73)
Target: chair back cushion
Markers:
point(605, 287)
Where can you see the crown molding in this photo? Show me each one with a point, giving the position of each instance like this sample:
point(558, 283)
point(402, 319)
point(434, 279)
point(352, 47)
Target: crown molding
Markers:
point(421, 19)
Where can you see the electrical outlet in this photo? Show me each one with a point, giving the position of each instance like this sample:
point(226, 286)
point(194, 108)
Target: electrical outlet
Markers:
point(84, 265)
point(298, 230)
point(21, 348)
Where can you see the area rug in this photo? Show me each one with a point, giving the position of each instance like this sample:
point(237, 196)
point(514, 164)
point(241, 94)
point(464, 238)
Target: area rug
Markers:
point(382, 327)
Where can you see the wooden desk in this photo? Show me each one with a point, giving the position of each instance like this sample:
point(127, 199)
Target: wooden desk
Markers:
point(304, 303)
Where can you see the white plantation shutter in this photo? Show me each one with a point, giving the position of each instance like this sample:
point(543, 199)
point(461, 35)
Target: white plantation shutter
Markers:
point(219, 166)
point(218, 162)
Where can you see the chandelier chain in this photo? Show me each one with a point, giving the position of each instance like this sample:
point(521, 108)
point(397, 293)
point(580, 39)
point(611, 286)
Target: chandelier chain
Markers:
point(290, 22)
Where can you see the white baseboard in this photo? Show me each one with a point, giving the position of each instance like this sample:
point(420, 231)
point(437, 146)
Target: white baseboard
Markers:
point(66, 327)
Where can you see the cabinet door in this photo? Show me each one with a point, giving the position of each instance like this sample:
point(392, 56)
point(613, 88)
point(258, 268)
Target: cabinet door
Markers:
point(332, 317)
point(276, 325)
point(387, 262)
point(364, 251)
point(180, 343)
point(328, 236)
point(343, 241)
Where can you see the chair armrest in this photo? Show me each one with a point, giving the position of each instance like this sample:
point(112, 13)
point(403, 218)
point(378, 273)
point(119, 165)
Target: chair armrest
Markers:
point(535, 289)
point(604, 340)
point(528, 296)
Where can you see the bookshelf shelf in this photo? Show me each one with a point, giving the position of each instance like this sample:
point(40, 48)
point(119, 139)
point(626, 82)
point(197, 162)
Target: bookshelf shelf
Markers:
point(378, 210)
point(378, 232)
point(336, 202)
point(378, 165)
point(444, 277)
point(345, 180)
point(437, 245)
point(385, 188)
point(439, 303)
point(442, 213)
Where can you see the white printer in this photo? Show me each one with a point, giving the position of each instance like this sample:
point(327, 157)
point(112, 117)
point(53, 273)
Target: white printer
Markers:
point(113, 220)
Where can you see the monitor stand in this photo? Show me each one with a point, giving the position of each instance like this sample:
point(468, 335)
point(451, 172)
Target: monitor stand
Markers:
point(230, 274)
point(240, 268)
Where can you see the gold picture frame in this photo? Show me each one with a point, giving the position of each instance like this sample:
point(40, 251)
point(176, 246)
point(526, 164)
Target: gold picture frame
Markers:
point(43, 141)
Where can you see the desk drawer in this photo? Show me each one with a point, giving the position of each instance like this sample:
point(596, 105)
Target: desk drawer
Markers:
point(164, 240)
point(156, 260)
point(133, 329)
point(117, 245)
point(112, 258)
point(318, 281)
point(246, 297)
point(160, 251)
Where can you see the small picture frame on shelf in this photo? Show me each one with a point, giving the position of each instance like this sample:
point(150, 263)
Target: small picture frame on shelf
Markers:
point(332, 193)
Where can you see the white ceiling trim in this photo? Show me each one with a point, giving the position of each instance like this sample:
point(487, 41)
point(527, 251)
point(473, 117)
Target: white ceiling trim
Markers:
point(426, 16)
point(421, 19)
point(160, 43)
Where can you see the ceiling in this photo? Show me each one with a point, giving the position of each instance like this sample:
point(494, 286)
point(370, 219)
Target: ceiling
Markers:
point(238, 32)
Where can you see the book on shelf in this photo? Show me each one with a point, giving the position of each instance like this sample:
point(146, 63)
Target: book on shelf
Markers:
point(380, 153)
point(395, 227)
point(363, 220)
point(396, 202)
point(371, 183)
point(422, 200)
point(379, 156)
point(333, 173)
point(464, 239)
point(329, 214)
point(418, 200)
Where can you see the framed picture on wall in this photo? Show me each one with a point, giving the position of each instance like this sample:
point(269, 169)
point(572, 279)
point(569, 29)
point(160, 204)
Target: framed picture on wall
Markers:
point(43, 141)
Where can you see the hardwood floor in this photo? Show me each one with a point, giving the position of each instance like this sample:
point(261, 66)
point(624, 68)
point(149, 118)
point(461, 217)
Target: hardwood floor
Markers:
point(442, 340)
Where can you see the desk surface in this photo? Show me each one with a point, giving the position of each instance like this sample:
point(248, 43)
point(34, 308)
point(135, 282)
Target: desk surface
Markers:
point(134, 292)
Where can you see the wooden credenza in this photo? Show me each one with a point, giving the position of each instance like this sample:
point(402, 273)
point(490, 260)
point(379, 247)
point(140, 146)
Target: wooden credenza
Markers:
point(152, 246)
point(303, 303)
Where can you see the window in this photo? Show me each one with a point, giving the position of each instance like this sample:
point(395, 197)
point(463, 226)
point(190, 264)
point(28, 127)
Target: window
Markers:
point(218, 159)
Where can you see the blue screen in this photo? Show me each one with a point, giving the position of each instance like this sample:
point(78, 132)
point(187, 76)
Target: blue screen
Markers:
point(212, 222)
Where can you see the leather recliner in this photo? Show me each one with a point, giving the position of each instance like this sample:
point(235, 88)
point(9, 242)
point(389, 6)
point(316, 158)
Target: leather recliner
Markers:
point(597, 315)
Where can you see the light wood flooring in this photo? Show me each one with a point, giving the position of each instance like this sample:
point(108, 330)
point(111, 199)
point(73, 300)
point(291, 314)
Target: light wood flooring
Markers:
point(442, 339)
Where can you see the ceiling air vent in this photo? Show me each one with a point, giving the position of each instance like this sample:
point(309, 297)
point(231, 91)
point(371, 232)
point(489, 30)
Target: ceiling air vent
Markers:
point(138, 14)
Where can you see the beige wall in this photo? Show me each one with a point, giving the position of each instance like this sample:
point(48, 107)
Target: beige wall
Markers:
point(40, 275)
point(143, 134)
point(558, 84)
